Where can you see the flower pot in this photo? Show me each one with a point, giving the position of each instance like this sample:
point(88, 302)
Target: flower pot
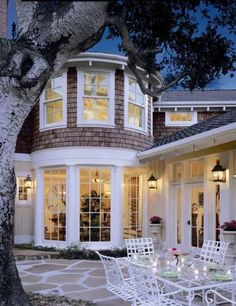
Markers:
point(230, 236)
point(155, 230)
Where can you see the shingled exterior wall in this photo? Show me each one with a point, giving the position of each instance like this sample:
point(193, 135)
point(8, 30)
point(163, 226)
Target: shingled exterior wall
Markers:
point(3, 18)
point(72, 135)
point(160, 130)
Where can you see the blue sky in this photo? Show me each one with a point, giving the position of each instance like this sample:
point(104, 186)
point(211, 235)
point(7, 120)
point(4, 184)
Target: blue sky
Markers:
point(110, 46)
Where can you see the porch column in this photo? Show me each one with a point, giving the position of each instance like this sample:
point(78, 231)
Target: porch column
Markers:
point(39, 209)
point(72, 227)
point(117, 207)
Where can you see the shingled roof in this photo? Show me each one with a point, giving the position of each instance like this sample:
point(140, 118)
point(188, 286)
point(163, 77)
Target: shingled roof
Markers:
point(198, 128)
point(199, 95)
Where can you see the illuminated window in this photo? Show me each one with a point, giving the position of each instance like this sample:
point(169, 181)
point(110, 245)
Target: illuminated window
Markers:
point(95, 204)
point(22, 192)
point(96, 98)
point(53, 103)
point(180, 118)
point(132, 218)
point(136, 109)
point(55, 204)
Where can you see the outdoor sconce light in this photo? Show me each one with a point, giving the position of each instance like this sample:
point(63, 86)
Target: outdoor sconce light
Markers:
point(218, 172)
point(152, 182)
point(28, 182)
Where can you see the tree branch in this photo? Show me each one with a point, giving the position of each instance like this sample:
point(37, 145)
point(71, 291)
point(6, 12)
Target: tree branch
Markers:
point(149, 80)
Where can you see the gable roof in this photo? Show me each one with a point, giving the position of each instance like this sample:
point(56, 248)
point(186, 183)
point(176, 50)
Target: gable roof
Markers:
point(198, 128)
point(199, 95)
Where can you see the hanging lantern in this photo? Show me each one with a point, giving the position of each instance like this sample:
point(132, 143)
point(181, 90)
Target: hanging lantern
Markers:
point(28, 182)
point(152, 182)
point(218, 172)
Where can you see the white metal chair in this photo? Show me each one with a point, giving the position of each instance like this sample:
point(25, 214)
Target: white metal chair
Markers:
point(224, 296)
point(213, 251)
point(147, 290)
point(141, 246)
point(116, 282)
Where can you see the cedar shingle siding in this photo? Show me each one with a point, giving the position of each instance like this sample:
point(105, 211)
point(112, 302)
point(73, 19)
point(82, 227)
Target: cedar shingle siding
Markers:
point(72, 135)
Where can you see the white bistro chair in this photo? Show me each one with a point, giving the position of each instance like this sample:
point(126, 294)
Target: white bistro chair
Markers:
point(139, 246)
point(224, 296)
point(147, 289)
point(117, 283)
point(213, 251)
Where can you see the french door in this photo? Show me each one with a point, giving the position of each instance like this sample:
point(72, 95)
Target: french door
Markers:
point(195, 216)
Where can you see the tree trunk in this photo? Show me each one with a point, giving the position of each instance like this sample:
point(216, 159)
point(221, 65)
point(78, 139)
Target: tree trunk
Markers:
point(25, 66)
point(11, 120)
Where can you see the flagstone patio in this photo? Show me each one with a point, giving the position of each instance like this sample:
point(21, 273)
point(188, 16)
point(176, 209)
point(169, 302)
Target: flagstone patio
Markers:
point(76, 279)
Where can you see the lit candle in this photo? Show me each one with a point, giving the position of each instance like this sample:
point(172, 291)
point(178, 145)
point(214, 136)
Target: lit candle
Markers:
point(182, 260)
point(204, 269)
point(179, 269)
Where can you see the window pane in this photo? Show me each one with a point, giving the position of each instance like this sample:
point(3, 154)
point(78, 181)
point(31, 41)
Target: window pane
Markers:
point(96, 109)
point(135, 115)
point(54, 112)
point(181, 116)
point(22, 191)
point(136, 107)
point(55, 204)
point(95, 205)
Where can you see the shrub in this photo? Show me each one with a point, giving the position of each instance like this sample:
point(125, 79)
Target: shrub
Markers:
point(82, 253)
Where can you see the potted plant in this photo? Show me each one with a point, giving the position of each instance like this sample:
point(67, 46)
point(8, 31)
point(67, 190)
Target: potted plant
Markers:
point(229, 235)
point(155, 228)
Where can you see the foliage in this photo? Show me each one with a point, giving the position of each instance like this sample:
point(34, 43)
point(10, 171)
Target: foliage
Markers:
point(192, 38)
point(155, 220)
point(26, 246)
point(82, 253)
point(52, 300)
point(229, 225)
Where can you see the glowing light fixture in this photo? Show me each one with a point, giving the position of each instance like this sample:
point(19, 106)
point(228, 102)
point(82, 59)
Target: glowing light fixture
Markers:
point(152, 182)
point(218, 172)
point(28, 182)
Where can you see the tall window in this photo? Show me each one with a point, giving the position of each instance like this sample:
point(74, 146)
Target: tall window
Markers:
point(55, 204)
point(22, 192)
point(53, 103)
point(180, 118)
point(95, 204)
point(132, 206)
point(137, 106)
point(96, 98)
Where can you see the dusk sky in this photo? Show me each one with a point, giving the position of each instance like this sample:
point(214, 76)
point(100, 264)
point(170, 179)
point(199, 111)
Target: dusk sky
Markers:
point(110, 46)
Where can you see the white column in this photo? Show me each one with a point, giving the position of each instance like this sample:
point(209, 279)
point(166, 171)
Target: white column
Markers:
point(72, 228)
point(117, 207)
point(39, 209)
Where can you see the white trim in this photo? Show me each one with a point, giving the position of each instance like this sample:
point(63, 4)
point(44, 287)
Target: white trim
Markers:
point(21, 157)
point(111, 97)
point(168, 122)
point(127, 126)
point(19, 239)
point(84, 156)
point(42, 124)
point(225, 130)
point(194, 104)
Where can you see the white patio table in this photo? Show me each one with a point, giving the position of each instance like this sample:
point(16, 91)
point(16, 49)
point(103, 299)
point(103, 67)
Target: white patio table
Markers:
point(193, 277)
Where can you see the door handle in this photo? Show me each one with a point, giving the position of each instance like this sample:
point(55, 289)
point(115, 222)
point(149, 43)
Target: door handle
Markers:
point(189, 222)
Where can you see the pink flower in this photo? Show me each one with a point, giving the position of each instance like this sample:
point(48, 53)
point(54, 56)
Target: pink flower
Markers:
point(174, 251)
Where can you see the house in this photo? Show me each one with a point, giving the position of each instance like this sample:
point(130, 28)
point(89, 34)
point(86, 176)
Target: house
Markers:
point(93, 140)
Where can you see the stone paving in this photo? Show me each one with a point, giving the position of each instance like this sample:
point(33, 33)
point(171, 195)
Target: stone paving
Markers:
point(77, 279)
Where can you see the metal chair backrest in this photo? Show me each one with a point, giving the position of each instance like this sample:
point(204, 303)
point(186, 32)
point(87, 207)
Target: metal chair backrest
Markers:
point(213, 251)
point(113, 272)
point(146, 288)
point(141, 246)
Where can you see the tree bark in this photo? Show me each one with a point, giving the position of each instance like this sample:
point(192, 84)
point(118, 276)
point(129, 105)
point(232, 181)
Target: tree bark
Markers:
point(49, 35)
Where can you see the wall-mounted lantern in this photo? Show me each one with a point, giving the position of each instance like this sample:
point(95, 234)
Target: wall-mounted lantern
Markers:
point(28, 182)
point(218, 172)
point(152, 182)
